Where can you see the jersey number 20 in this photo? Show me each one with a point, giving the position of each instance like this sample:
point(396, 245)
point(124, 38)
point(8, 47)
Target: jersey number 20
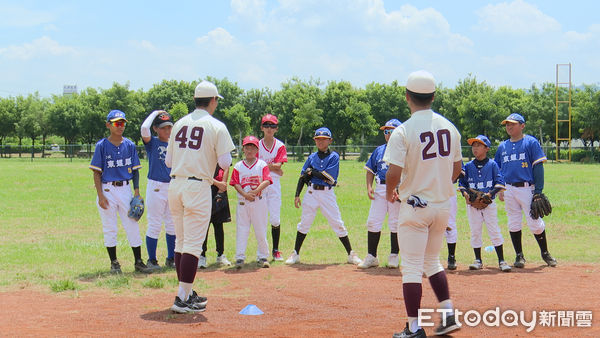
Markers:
point(195, 138)
point(443, 142)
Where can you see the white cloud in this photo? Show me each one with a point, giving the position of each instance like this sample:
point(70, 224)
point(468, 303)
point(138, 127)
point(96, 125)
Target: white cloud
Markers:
point(14, 16)
point(38, 48)
point(144, 44)
point(218, 36)
point(516, 18)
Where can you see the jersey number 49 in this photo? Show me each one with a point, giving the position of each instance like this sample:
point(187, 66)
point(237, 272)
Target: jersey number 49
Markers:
point(195, 139)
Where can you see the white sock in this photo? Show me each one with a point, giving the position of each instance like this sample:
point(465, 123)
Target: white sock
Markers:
point(185, 289)
point(413, 324)
point(447, 305)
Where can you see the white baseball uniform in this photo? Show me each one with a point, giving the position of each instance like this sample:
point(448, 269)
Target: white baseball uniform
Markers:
point(451, 231)
point(251, 213)
point(272, 193)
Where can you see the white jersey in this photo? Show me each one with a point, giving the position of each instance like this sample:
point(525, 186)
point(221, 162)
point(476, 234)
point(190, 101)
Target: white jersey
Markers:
point(250, 176)
point(277, 154)
point(426, 147)
point(196, 141)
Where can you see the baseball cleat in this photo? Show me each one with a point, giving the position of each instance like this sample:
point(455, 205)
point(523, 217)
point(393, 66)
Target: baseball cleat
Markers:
point(115, 267)
point(277, 255)
point(152, 264)
point(170, 263)
point(519, 261)
point(294, 258)
point(188, 306)
point(195, 298)
point(202, 262)
point(407, 334)
point(263, 263)
point(449, 326)
point(353, 258)
point(141, 267)
point(239, 263)
point(451, 262)
point(549, 259)
point(477, 265)
point(223, 261)
point(393, 261)
point(504, 266)
point(369, 262)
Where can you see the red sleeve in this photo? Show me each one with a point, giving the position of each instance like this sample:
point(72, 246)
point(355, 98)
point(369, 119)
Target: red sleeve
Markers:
point(281, 156)
point(266, 175)
point(219, 176)
point(235, 177)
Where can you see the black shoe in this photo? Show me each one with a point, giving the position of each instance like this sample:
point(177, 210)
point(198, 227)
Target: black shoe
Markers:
point(170, 263)
point(141, 267)
point(450, 326)
point(519, 261)
point(115, 267)
point(198, 299)
point(188, 306)
point(407, 334)
point(451, 262)
point(549, 259)
point(153, 264)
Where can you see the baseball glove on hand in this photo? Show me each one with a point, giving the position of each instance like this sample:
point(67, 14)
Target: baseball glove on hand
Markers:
point(219, 202)
point(136, 208)
point(540, 206)
point(478, 199)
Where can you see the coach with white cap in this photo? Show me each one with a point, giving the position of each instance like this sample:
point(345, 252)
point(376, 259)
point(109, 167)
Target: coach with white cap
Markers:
point(425, 151)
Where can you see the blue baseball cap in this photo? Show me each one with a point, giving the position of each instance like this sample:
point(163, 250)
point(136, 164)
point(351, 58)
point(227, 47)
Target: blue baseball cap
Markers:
point(115, 115)
point(514, 118)
point(322, 132)
point(481, 139)
point(391, 124)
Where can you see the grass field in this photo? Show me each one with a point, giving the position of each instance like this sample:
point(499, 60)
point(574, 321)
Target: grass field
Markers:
point(52, 237)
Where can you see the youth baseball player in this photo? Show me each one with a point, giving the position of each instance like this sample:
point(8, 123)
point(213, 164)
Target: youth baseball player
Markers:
point(482, 174)
point(273, 152)
point(159, 176)
point(521, 161)
point(320, 171)
point(115, 165)
point(425, 151)
point(249, 178)
point(376, 169)
point(198, 142)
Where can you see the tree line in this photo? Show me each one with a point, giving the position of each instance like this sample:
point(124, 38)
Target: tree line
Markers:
point(353, 114)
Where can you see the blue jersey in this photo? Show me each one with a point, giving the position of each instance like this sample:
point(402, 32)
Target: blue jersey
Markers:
point(329, 166)
point(116, 163)
point(484, 179)
point(157, 151)
point(376, 165)
point(516, 159)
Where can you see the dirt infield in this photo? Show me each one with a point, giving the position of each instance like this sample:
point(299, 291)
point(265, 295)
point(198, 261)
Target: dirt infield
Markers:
point(305, 300)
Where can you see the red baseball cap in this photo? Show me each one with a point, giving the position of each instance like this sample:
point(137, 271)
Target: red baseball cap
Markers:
point(269, 118)
point(250, 140)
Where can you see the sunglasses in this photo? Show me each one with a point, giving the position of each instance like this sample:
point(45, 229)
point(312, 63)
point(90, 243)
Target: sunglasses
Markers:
point(388, 131)
point(273, 126)
point(119, 123)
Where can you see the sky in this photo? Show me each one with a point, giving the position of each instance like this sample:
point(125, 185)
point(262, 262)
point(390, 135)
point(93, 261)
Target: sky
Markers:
point(256, 44)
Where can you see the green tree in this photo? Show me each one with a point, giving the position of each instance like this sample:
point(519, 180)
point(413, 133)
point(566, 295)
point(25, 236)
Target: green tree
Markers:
point(586, 115)
point(386, 102)
point(306, 118)
point(231, 93)
point(131, 103)
point(8, 117)
point(179, 110)
point(257, 103)
point(168, 93)
point(239, 121)
point(31, 111)
point(92, 121)
point(336, 99)
point(66, 112)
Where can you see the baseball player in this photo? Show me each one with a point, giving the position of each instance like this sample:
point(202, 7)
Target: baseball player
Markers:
point(249, 178)
point(521, 161)
point(320, 171)
point(483, 175)
point(219, 215)
point(425, 152)
point(376, 169)
point(273, 152)
point(115, 165)
point(198, 142)
point(159, 177)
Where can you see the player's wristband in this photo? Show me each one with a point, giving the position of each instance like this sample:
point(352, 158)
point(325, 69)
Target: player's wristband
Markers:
point(136, 179)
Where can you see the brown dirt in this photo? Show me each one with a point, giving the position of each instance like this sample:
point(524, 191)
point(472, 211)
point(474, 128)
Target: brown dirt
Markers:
point(304, 300)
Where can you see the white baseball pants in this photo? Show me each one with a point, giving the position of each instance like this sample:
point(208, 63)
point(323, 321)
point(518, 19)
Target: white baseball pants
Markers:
point(273, 195)
point(379, 208)
point(420, 237)
point(157, 205)
point(488, 215)
point(517, 201)
point(118, 203)
point(190, 202)
point(251, 214)
point(452, 233)
point(326, 200)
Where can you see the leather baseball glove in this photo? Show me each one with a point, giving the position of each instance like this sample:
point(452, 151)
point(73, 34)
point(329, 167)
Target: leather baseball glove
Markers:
point(136, 208)
point(540, 206)
point(219, 202)
point(478, 199)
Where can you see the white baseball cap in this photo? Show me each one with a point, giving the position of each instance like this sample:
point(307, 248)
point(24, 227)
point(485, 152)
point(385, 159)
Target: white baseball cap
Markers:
point(421, 82)
point(206, 89)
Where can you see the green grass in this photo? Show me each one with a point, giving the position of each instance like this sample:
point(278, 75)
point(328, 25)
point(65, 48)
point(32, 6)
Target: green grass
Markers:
point(52, 235)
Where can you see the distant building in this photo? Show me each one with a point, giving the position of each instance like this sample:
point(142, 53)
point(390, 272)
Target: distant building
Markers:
point(69, 90)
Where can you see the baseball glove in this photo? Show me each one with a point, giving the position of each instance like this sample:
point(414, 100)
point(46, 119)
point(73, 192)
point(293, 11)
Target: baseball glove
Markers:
point(219, 202)
point(540, 206)
point(478, 199)
point(136, 208)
